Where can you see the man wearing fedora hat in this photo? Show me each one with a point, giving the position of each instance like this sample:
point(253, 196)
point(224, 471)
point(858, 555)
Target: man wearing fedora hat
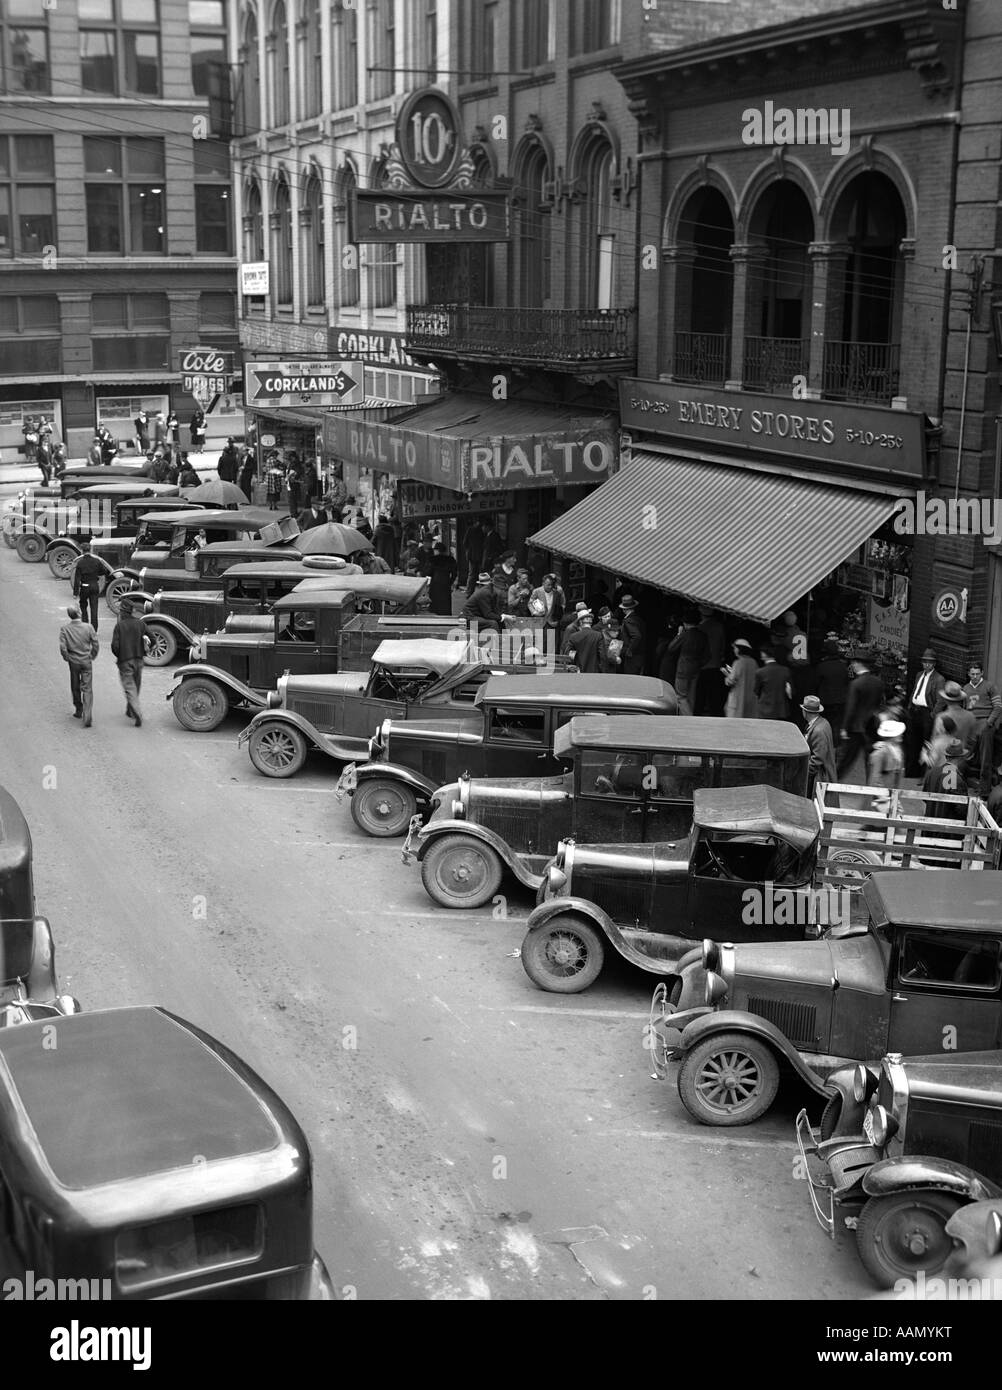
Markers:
point(949, 777)
point(921, 708)
point(818, 733)
point(633, 633)
point(482, 605)
point(859, 724)
point(952, 702)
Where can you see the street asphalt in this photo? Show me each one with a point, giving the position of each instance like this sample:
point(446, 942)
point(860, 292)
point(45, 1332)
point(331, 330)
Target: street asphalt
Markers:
point(473, 1137)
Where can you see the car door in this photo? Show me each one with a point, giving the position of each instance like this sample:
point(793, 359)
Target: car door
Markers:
point(609, 800)
point(671, 780)
point(719, 896)
point(515, 742)
point(297, 646)
point(946, 993)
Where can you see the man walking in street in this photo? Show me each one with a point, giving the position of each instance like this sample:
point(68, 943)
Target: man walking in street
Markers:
point(866, 694)
point(983, 700)
point(86, 575)
point(128, 645)
point(818, 733)
point(921, 707)
point(78, 646)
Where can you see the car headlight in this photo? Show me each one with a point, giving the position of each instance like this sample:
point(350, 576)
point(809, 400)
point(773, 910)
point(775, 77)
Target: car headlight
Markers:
point(555, 878)
point(458, 811)
point(861, 1086)
point(274, 700)
point(882, 1125)
point(149, 606)
point(194, 653)
point(715, 988)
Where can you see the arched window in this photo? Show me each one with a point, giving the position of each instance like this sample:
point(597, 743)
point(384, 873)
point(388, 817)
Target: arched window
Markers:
point(281, 255)
point(250, 87)
point(278, 53)
point(382, 259)
point(598, 240)
point(312, 230)
point(348, 277)
point(699, 349)
point(253, 225)
point(531, 246)
point(777, 311)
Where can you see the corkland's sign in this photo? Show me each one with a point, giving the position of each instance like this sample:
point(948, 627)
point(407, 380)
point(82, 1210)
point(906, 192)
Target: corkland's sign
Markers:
point(303, 383)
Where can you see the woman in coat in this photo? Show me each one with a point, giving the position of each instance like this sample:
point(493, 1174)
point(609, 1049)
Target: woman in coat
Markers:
point(197, 428)
point(740, 680)
point(442, 569)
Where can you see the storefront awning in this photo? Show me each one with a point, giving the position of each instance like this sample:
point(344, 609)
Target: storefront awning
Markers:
point(473, 444)
point(314, 415)
point(746, 542)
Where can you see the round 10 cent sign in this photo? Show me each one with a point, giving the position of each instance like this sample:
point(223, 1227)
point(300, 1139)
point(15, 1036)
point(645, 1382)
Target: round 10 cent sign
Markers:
point(428, 137)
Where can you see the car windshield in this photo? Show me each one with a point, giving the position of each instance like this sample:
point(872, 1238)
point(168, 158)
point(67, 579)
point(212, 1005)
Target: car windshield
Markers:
point(937, 958)
point(756, 858)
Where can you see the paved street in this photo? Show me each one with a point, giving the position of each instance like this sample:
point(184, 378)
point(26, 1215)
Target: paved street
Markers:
point(473, 1137)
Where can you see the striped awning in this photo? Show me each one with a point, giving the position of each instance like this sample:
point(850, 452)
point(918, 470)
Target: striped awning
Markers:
point(747, 542)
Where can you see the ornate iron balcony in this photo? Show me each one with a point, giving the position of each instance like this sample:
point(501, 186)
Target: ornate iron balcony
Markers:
point(704, 358)
point(770, 364)
point(861, 371)
point(562, 338)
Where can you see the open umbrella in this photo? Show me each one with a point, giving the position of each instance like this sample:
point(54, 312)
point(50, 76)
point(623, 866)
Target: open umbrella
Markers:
point(216, 493)
point(332, 538)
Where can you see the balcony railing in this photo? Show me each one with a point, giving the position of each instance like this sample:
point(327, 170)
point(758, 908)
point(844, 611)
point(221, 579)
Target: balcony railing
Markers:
point(861, 371)
point(770, 364)
point(702, 357)
point(565, 338)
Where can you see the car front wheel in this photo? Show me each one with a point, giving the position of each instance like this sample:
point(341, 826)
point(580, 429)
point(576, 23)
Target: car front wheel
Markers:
point(459, 871)
point(116, 591)
point(163, 645)
point(200, 704)
point(383, 808)
point(902, 1234)
point(277, 750)
point(61, 561)
point(565, 956)
point(728, 1080)
point(31, 547)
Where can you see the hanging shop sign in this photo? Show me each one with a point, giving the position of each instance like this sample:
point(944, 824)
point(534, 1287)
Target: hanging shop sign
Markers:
point(445, 217)
point(888, 624)
point(420, 500)
point(428, 137)
point(303, 383)
point(475, 465)
point(950, 606)
point(853, 436)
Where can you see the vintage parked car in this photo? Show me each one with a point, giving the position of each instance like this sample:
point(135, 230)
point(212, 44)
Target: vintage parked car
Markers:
point(182, 562)
point(925, 973)
point(28, 986)
point(410, 679)
point(629, 779)
point(918, 1139)
point(183, 1176)
point(304, 635)
point(520, 717)
point(84, 511)
point(18, 511)
point(109, 516)
point(175, 619)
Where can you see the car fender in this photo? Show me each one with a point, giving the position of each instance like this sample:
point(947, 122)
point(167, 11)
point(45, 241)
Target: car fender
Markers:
point(167, 620)
point(914, 1171)
point(737, 1021)
point(67, 541)
point(582, 907)
point(245, 692)
point(41, 983)
point(435, 830)
point(283, 716)
point(122, 571)
point(423, 786)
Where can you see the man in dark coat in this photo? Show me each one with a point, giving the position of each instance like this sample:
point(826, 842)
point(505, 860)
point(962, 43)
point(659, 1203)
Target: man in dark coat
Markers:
point(129, 644)
point(313, 515)
point(587, 649)
point(919, 714)
point(818, 733)
point(384, 541)
point(831, 679)
point(482, 605)
point(866, 695)
point(87, 577)
point(248, 471)
point(493, 546)
point(948, 777)
point(692, 645)
point(772, 686)
point(187, 476)
point(229, 461)
point(634, 636)
point(473, 549)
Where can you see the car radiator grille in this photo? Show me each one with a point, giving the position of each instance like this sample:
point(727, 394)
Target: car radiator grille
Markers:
point(194, 615)
point(320, 713)
point(624, 902)
point(517, 828)
point(985, 1148)
point(798, 1022)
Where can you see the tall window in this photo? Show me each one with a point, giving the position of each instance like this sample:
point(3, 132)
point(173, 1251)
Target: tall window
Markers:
point(537, 20)
point(308, 57)
point(594, 25)
point(211, 164)
point(30, 339)
point(532, 234)
point(253, 225)
point(207, 42)
point(383, 258)
point(597, 237)
point(217, 320)
point(130, 330)
point(120, 47)
point(281, 258)
point(24, 46)
point(312, 226)
point(480, 18)
point(249, 100)
point(124, 187)
point(350, 289)
point(381, 46)
point(278, 55)
point(27, 195)
point(344, 57)
point(426, 33)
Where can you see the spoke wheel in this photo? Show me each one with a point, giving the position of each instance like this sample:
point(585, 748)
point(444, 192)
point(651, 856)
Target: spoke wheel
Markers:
point(200, 704)
point(31, 547)
point(565, 956)
point(459, 871)
point(728, 1080)
point(905, 1233)
point(116, 591)
point(383, 808)
point(163, 644)
point(61, 561)
point(277, 750)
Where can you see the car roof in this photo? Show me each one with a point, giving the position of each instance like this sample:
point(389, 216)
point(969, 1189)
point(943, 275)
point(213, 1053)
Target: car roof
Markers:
point(134, 487)
point(435, 653)
point(321, 598)
point(953, 899)
point(684, 734)
point(157, 1093)
point(394, 588)
point(251, 547)
point(585, 692)
point(221, 518)
point(757, 810)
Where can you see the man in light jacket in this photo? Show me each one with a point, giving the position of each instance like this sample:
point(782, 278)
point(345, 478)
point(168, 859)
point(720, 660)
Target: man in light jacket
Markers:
point(78, 646)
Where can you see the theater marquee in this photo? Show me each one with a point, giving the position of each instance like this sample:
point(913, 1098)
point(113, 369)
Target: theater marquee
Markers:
point(443, 217)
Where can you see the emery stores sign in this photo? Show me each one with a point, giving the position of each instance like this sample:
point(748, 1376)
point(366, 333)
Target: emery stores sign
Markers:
point(574, 455)
point(853, 436)
point(303, 383)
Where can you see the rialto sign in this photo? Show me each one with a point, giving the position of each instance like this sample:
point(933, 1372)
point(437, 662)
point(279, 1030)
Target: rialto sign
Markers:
point(429, 217)
point(574, 455)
